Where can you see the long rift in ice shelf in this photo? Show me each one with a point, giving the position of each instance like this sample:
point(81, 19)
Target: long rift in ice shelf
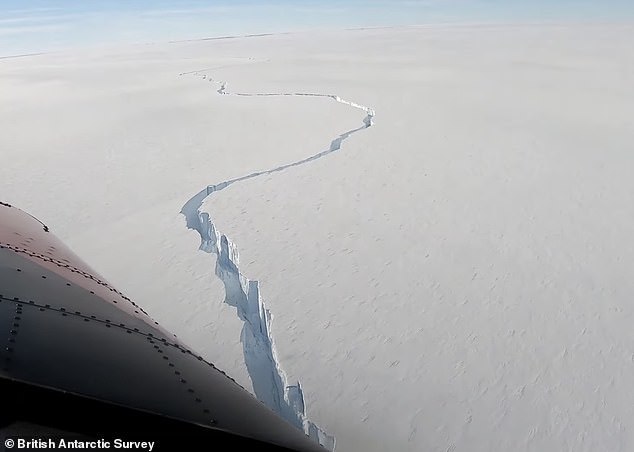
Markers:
point(260, 354)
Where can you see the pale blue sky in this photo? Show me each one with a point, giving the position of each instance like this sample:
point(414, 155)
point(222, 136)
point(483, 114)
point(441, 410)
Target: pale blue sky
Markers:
point(42, 25)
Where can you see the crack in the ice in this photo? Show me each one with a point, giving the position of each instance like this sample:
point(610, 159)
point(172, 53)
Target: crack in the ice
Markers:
point(226, 66)
point(260, 354)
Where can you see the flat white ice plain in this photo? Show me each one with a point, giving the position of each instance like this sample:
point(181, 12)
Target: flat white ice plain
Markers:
point(457, 277)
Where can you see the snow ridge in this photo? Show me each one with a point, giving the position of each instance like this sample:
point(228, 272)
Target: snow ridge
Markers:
point(260, 353)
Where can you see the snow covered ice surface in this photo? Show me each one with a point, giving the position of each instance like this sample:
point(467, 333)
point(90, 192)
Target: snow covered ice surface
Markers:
point(455, 277)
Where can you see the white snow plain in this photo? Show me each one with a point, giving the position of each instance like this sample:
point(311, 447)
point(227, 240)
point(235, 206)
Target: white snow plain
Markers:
point(456, 277)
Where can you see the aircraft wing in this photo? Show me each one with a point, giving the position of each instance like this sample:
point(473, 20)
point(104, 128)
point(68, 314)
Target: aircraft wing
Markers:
point(78, 356)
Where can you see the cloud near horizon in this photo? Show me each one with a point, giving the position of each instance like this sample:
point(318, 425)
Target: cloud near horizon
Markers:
point(61, 24)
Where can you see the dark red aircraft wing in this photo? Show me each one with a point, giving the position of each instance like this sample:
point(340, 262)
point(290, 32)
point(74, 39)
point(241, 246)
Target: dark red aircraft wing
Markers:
point(69, 337)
